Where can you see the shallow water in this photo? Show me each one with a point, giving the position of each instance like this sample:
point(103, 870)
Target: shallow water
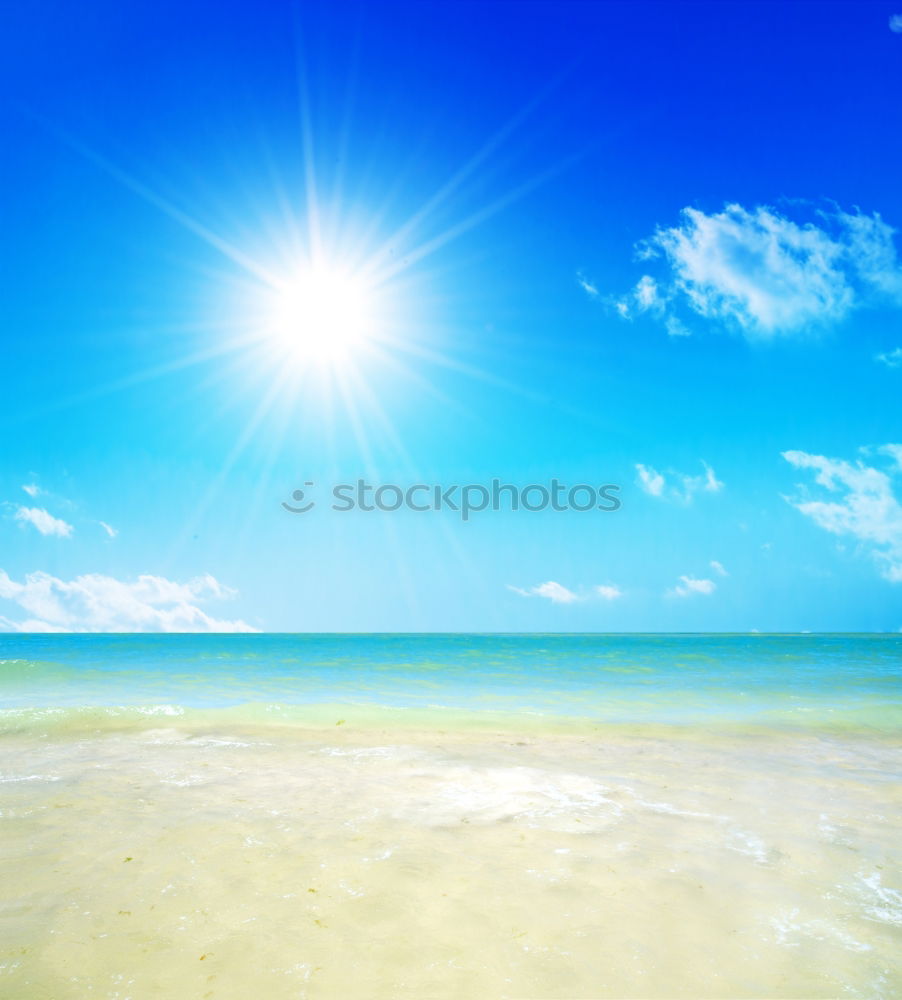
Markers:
point(361, 846)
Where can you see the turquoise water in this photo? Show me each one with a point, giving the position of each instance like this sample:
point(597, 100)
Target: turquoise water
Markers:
point(846, 681)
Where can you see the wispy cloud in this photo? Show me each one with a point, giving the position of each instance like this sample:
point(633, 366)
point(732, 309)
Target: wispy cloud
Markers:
point(860, 503)
point(650, 480)
point(96, 603)
point(892, 359)
point(552, 591)
point(895, 23)
point(650, 297)
point(559, 594)
point(45, 522)
point(587, 286)
point(895, 453)
point(762, 273)
point(689, 586)
point(718, 568)
point(675, 485)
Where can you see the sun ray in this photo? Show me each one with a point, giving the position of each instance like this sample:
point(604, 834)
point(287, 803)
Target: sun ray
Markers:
point(307, 143)
point(213, 490)
point(200, 356)
point(178, 215)
point(457, 179)
point(416, 254)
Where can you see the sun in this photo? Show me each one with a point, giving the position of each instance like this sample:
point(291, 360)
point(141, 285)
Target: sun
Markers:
point(321, 315)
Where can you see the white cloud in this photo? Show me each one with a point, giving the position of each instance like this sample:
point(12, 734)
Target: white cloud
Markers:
point(587, 286)
point(559, 594)
point(895, 23)
point(649, 297)
point(675, 328)
point(765, 274)
point(895, 453)
point(96, 603)
point(718, 568)
point(46, 523)
point(892, 359)
point(860, 502)
point(646, 295)
point(650, 480)
point(554, 592)
point(676, 485)
point(690, 585)
point(708, 482)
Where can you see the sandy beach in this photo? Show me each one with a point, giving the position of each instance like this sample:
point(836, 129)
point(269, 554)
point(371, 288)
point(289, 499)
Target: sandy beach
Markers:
point(283, 861)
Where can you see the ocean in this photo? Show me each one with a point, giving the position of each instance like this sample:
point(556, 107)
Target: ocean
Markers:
point(542, 816)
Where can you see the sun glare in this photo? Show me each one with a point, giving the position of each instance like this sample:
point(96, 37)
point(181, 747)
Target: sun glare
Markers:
point(321, 316)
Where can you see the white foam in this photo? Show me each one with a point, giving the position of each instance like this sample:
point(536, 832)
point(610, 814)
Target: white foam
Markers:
point(361, 752)
point(789, 931)
point(455, 794)
point(8, 779)
point(884, 904)
point(671, 810)
point(749, 844)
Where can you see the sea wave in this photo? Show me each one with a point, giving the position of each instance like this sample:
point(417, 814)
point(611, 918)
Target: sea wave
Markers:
point(85, 719)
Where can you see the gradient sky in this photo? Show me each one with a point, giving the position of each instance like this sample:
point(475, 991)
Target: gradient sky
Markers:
point(642, 244)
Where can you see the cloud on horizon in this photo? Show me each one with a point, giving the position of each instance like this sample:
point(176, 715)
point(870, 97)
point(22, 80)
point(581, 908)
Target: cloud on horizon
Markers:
point(859, 502)
point(552, 591)
point(690, 585)
point(559, 594)
point(761, 273)
point(97, 603)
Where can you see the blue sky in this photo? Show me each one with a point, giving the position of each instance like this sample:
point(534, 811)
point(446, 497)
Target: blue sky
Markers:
point(650, 245)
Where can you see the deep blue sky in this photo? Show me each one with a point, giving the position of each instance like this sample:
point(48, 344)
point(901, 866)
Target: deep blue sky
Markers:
point(510, 157)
